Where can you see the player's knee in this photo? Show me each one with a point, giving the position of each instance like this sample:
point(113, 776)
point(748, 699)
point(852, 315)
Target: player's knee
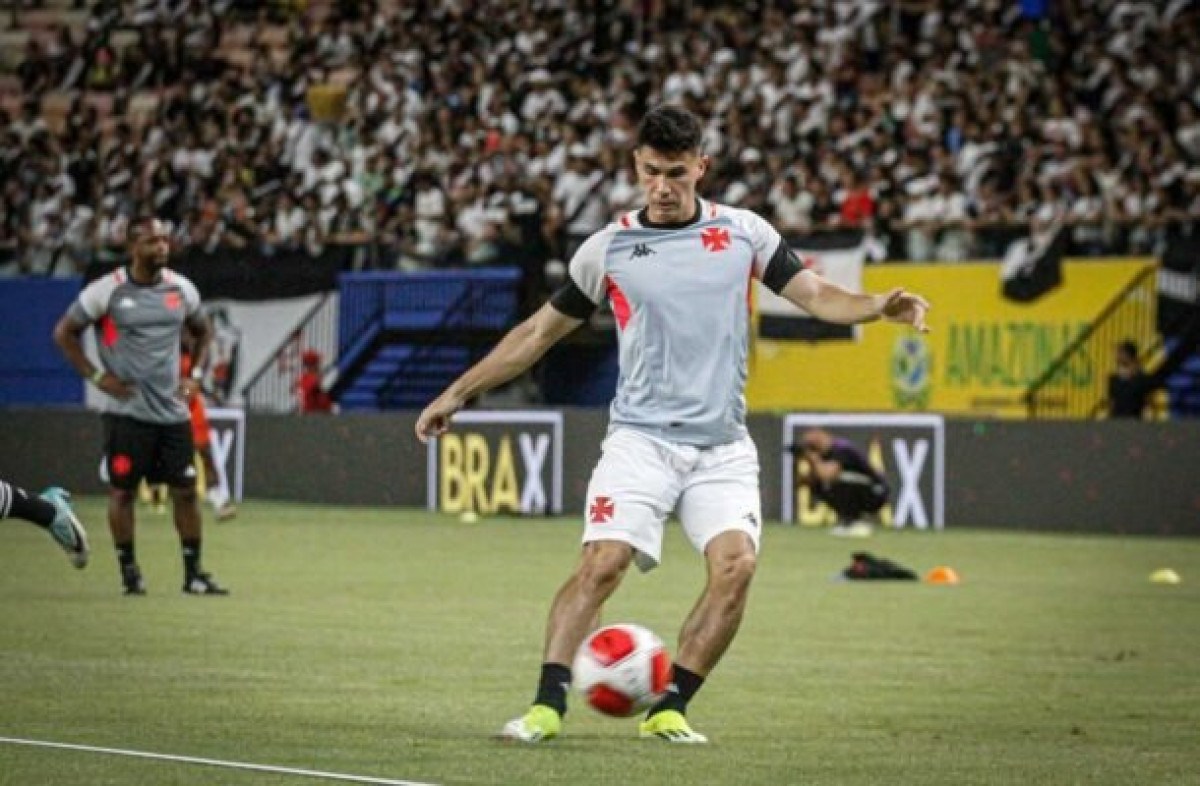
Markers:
point(602, 567)
point(122, 498)
point(183, 494)
point(736, 570)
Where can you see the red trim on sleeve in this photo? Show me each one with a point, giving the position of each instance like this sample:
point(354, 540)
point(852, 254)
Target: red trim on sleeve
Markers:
point(620, 305)
point(625, 220)
point(712, 209)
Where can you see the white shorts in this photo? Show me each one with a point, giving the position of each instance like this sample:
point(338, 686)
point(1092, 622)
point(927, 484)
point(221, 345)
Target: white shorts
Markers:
point(640, 480)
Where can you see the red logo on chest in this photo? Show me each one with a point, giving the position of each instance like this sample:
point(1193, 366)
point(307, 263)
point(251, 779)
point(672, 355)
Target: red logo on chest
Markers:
point(172, 300)
point(715, 239)
point(602, 510)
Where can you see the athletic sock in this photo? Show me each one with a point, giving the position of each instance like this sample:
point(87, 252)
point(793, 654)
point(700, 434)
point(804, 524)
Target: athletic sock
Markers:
point(126, 556)
point(190, 548)
point(683, 687)
point(552, 687)
point(15, 503)
point(216, 497)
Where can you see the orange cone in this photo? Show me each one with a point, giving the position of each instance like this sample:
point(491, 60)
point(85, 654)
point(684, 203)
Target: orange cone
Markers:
point(942, 575)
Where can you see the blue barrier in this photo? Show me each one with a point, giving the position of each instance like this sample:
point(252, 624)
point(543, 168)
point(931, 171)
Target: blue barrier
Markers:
point(32, 370)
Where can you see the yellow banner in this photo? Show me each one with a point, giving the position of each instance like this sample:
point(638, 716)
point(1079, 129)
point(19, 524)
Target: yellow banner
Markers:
point(982, 353)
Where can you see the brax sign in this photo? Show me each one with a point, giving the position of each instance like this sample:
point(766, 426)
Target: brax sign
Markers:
point(498, 462)
point(910, 450)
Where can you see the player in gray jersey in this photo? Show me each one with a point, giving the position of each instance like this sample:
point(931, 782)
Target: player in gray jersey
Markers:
point(677, 273)
point(139, 313)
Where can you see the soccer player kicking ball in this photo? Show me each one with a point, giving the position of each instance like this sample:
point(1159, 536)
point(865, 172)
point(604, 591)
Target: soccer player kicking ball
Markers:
point(140, 311)
point(677, 273)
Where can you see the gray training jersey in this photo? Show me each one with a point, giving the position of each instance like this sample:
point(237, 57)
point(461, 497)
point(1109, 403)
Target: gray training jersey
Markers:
point(681, 300)
point(138, 328)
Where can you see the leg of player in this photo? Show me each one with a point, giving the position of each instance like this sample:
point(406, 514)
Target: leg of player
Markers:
point(186, 508)
point(52, 512)
point(573, 614)
point(223, 509)
point(706, 634)
point(121, 524)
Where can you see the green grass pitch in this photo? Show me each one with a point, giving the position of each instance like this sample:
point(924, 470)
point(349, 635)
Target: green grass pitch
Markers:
point(394, 643)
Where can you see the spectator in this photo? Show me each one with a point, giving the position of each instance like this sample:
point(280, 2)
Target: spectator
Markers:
point(791, 206)
point(1128, 386)
point(961, 90)
point(311, 396)
point(579, 191)
point(857, 205)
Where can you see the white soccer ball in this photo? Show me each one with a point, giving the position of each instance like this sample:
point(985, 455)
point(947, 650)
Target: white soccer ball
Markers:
point(622, 669)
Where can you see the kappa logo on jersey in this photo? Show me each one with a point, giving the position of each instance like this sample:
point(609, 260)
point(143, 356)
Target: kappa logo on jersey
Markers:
point(641, 250)
point(715, 239)
point(602, 510)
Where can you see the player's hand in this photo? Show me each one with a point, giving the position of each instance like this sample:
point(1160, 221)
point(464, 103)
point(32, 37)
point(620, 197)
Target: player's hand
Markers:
point(116, 387)
point(435, 419)
point(905, 308)
point(188, 388)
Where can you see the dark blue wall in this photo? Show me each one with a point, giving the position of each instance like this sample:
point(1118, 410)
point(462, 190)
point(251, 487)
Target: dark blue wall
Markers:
point(32, 370)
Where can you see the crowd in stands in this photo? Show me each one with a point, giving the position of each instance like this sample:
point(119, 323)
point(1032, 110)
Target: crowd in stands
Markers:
point(452, 132)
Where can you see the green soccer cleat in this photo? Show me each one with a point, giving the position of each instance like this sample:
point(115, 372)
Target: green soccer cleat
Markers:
point(66, 529)
point(541, 723)
point(671, 726)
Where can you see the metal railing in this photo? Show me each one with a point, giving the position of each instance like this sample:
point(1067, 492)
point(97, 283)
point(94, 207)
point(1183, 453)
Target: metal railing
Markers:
point(1075, 385)
point(273, 387)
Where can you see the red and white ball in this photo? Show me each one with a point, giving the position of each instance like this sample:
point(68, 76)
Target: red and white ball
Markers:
point(622, 669)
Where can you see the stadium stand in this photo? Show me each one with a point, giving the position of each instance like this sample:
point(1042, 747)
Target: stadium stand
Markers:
point(449, 133)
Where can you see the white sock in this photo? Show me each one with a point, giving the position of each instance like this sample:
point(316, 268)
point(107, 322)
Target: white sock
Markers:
point(217, 497)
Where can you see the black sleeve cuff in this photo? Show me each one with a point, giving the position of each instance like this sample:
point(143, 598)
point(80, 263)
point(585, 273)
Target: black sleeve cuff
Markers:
point(783, 267)
point(570, 300)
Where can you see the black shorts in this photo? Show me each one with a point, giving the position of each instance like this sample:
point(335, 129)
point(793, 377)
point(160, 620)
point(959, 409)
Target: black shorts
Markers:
point(158, 452)
point(854, 496)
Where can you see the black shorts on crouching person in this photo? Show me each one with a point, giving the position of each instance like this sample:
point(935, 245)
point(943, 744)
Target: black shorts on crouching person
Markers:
point(158, 452)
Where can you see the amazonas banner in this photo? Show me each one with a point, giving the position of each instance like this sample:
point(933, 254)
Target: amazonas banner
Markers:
point(979, 358)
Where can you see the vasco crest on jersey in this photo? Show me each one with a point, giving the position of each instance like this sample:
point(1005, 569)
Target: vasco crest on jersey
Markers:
point(715, 239)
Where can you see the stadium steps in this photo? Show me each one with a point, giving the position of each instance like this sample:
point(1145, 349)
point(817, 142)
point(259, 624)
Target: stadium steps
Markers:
point(1183, 384)
point(405, 337)
point(1183, 388)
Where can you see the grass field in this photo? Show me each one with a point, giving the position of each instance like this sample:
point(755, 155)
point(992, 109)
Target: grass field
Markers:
point(393, 643)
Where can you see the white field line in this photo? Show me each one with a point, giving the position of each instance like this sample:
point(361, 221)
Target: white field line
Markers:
point(234, 765)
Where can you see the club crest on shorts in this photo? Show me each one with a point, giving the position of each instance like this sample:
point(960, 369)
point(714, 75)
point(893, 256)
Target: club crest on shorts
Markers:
point(601, 510)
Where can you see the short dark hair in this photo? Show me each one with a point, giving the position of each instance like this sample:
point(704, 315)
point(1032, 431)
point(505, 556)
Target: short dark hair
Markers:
point(670, 129)
point(139, 227)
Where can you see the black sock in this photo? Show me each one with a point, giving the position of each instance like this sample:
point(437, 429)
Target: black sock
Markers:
point(15, 503)
point(552, 687)
point(126, 557)
point(683, 687)
point(191, 555)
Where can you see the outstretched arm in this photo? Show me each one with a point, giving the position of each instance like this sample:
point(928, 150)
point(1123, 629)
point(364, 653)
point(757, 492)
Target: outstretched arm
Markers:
point(520, 348)
point(832, 303)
